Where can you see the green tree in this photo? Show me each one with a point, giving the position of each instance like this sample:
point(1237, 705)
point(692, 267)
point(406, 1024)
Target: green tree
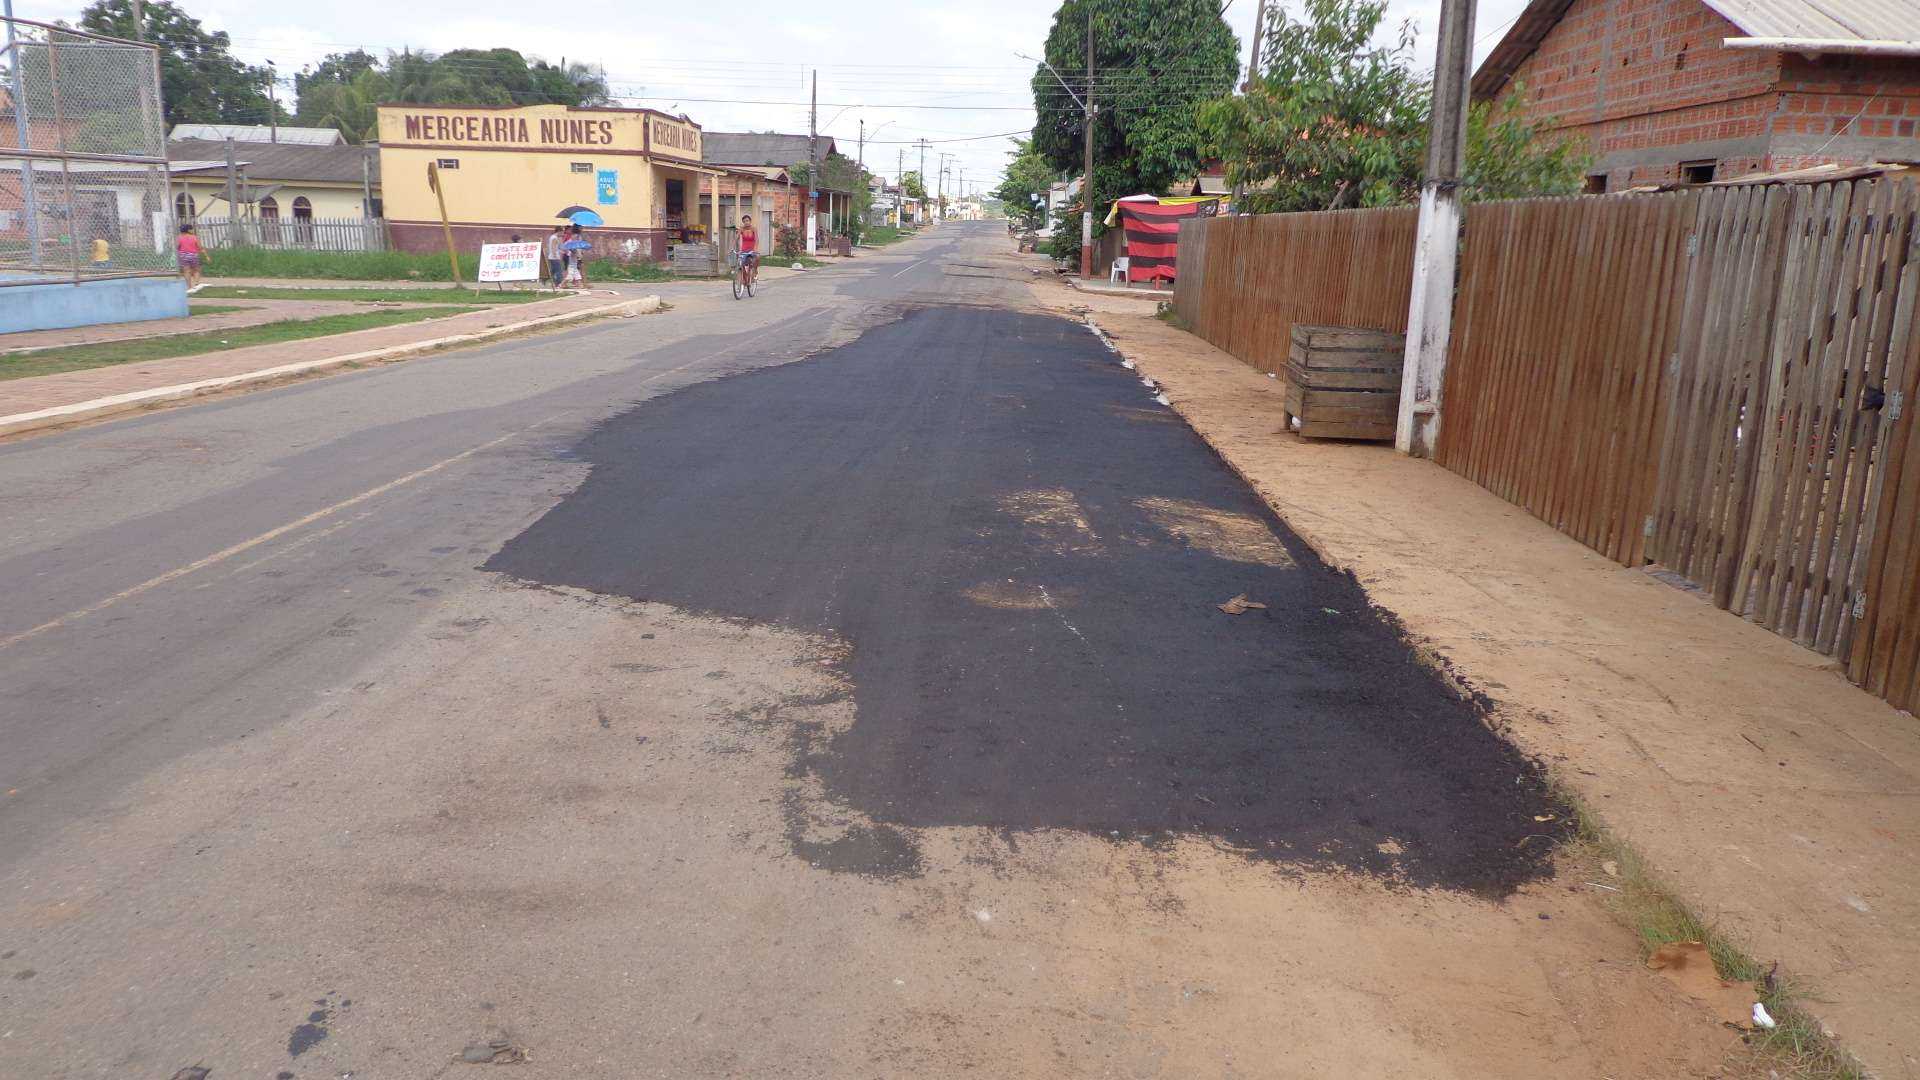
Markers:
point(1333, 121)
point(1154, 60)
point(345, 90)
point(911, 186)
point(201, 82)
point(1024, 191)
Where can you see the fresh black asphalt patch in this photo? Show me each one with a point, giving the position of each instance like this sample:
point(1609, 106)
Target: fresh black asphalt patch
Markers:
point(1029, 576)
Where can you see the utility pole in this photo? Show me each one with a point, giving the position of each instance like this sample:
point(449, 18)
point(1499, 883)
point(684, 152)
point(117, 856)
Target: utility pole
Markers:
point(1086, 185)
point(273, 99)
point(29, 180)
point(233, 192)
point(1253, 71)
point(923, 177)
point(1437, 239)
point(139, 20)
point(813, 168)
point(863, 144)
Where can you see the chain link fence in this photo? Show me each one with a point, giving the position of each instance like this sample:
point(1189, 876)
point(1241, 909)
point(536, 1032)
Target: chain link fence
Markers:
point(83, 158)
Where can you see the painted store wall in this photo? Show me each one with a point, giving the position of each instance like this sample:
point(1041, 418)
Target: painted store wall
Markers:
point(517, 166)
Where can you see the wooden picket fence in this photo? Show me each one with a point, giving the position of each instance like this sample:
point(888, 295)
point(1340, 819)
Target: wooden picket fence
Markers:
point(1720, 381)
point(294, 234)
point(1244, 281)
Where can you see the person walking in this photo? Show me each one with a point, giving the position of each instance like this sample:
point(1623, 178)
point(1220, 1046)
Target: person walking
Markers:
point(576, 249)
point(556, 259)
point(187, 246)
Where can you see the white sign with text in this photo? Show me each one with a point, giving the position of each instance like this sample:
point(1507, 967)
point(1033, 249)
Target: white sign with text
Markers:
point(510, 262)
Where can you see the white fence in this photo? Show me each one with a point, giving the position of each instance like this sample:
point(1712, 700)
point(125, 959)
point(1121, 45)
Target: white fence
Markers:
point(294, 234)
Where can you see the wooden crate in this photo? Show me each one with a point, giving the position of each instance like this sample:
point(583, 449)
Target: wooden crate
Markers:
point(1343, 382)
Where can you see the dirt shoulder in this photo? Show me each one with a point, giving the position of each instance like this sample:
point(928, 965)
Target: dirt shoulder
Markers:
point(1766, 790)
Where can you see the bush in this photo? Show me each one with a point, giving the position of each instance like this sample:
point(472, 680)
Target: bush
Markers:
point(788, 241)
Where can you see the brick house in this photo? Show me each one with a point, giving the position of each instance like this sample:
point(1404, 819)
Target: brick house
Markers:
point(1697, 90)
point(776, 156)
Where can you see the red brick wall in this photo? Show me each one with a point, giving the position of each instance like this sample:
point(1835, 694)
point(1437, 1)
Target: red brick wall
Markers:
point(1865, 96)
point(647, 245)
point(1648, 85)
point(1610, 59)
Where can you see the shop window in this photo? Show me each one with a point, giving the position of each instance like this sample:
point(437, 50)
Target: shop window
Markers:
point(1596, 184)
point(1697, 172)
point(449, 163)
point(583, 166)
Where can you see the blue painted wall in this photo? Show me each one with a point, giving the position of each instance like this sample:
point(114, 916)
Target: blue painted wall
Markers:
point(54, 307)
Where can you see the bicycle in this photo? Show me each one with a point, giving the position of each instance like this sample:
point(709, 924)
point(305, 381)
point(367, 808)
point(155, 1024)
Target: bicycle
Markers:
point(740, 279)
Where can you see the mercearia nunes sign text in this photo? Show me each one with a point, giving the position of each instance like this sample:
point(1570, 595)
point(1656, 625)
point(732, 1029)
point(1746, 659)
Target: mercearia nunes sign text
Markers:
point(515, 130)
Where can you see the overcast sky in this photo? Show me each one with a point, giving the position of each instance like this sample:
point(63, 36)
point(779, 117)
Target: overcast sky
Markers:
point(910, 68)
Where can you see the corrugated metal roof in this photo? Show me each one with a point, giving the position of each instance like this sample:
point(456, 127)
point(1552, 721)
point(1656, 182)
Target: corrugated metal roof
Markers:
point(289, 164)
point(1824, 20)
point(760, 148)
point(260, 133)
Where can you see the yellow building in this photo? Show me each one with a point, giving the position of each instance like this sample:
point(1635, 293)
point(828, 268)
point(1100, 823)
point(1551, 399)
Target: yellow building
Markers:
point(511, 169)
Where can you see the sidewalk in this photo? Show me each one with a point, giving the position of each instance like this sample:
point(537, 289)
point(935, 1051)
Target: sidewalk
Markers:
point(1771, 794)
point(52, 400)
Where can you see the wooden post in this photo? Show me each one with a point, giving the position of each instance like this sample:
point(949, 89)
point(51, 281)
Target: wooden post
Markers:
point(446, 227)
point(1437, 239)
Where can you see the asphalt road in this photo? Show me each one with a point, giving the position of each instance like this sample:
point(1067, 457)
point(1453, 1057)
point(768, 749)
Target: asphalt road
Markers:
point(830, 684)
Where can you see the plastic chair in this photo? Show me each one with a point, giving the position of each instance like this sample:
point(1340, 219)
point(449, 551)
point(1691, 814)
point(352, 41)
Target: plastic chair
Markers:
point(1119, 271)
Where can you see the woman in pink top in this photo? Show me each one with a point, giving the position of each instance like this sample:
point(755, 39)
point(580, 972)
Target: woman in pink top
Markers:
point(188, 247)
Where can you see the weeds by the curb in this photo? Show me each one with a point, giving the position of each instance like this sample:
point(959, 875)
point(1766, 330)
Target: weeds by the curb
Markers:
point(1798, 1046)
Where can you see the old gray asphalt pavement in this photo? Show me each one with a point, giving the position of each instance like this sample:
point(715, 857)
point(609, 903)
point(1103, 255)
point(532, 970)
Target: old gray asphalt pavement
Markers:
point(869, 716)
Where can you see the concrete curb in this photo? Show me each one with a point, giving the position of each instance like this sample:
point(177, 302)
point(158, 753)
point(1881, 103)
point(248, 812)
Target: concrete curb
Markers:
point(61, 415)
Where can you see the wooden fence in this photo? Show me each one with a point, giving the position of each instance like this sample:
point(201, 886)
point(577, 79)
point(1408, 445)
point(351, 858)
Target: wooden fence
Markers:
point(1722, 381)
point(1244, 281)
point(1715, 381)
point(294, 234)
point(1565, 310)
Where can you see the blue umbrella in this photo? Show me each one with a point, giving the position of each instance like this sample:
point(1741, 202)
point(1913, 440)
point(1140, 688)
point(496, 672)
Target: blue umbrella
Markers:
point(585, 218)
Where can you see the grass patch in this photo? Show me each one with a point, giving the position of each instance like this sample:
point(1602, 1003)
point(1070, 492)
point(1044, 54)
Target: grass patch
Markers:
point(879, 235)
point(213, 309)
point(108, 353)
point(609, 270)
point(375, 296)
point(337, 265)
point(1796, 1047)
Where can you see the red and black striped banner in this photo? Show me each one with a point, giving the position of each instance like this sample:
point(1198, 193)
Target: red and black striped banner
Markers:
point(1153, 235)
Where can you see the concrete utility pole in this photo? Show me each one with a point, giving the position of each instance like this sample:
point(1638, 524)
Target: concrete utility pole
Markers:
point(233, 192)
point(1086, 185)
point(813, 167)
point(139, 21)
point(1253, 72)
point(1437, 240)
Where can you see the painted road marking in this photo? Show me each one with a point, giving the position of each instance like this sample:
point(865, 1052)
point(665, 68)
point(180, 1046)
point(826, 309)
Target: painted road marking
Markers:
point(908, 267)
